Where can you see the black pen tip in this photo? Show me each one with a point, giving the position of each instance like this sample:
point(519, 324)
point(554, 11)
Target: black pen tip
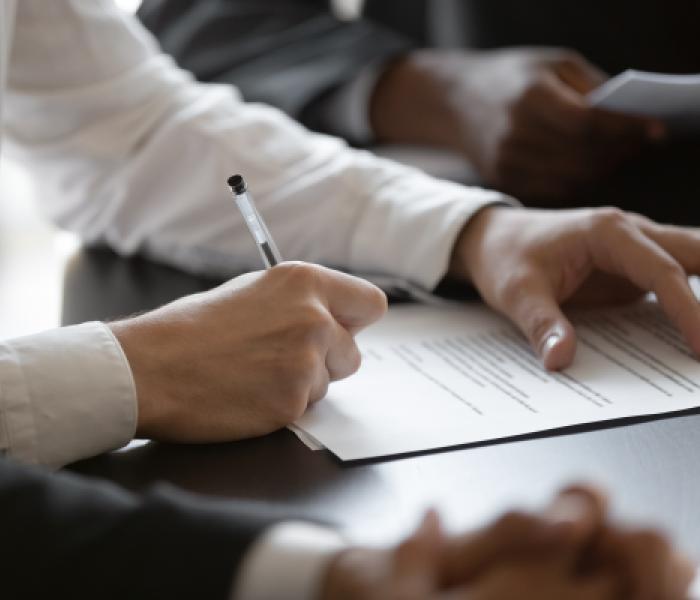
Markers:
point(237, 184)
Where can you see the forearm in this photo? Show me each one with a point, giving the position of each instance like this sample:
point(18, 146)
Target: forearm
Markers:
point(416, 101)
point(152, 151)
point(68, 537)
point(410, 104)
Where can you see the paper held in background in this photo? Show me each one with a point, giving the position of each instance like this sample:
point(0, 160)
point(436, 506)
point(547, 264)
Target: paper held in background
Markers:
point(434, 377)
point(674, 99)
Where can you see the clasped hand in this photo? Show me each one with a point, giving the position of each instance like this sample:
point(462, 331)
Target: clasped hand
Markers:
point(569, 551)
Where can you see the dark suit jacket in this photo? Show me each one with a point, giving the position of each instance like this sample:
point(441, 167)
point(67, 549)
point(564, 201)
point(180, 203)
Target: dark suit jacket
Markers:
point(288, 53)
point(282, 52)
point(66, 537)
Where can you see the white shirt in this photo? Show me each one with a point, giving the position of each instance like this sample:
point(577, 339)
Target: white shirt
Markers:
point(131, 151)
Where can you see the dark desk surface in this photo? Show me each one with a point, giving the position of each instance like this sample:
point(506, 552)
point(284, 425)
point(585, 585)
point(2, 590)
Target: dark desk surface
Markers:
point(652, 469)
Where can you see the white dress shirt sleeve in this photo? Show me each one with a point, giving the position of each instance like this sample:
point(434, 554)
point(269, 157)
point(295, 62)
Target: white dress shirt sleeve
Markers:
point(129, 150)
point(288, 561)
point(65, 394)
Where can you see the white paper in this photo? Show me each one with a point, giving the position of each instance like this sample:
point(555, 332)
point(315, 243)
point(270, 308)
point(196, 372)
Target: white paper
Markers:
point(674, 99)
point(438, 377)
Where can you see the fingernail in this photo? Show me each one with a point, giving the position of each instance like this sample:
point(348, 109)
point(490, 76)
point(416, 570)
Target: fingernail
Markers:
point(568, 508)
point(550, 343)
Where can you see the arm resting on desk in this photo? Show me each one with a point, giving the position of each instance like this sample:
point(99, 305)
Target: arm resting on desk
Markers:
point(70, 538)
point(65, 394)
point(132, 152)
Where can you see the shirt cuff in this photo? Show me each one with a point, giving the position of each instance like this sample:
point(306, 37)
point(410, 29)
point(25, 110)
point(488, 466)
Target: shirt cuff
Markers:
point(289, 561)
point(411, 227)
point(65, 394)
point(345, 111)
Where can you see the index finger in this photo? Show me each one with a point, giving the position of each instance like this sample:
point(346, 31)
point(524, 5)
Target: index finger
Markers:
point(683, 243)
point(568, 524)
point(353, 302)
point(623, 249)
point(580, 74)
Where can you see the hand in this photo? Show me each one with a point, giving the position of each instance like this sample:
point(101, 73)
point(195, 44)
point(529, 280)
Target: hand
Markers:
point(248, 357)
point(570, 550)
point(520, 115)
point(430, 565)
point(527, 263)
point(647, 565)
point(567, 552)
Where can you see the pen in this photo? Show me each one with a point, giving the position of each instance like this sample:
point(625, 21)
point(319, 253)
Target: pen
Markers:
point(266, 245)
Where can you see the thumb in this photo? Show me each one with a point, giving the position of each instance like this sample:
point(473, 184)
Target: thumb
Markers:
point(415, 560)
point(580, 74)
point(533, 308)
point(584, 507)
point(583, 510)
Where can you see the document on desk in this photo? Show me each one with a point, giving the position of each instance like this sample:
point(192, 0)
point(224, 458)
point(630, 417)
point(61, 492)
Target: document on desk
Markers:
point(674, 99)
point(434, 377)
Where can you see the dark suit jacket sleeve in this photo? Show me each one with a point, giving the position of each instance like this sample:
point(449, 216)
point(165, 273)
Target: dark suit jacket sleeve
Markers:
point(66, 537)
point(287, 53)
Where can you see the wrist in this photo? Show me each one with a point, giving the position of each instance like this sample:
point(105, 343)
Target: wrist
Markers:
point(467, 249)
point(412, 103)
point(137, 341)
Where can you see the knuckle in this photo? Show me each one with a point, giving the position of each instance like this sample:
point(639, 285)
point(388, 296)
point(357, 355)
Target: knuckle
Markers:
point(669, 272)
point(303, 275)
point(608, 218)
point(312, 322)
point(354, 360)
point(641, 221)
point(567, 56)
point(511, 522)
point(511, 287)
